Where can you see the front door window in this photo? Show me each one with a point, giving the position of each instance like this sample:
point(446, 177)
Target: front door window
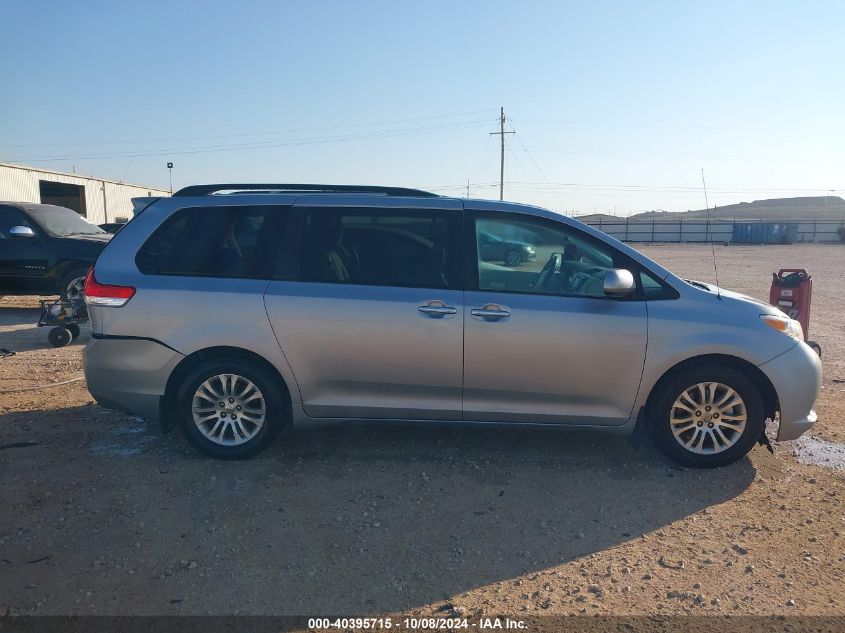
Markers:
point(536, 256)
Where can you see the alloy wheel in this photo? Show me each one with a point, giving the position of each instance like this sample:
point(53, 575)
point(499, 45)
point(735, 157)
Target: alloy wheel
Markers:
point(228, 409)
point(708, 418)
point(75, 289)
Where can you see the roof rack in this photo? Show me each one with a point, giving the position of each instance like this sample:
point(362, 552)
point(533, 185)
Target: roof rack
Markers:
point(207, 190)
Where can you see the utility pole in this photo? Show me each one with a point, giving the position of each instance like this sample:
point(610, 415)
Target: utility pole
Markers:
point(170, 169)
point(502, 133)
point(467, 188)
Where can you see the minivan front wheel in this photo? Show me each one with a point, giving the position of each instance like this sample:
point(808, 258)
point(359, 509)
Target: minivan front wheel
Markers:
point(707, 416)
point(229, 409)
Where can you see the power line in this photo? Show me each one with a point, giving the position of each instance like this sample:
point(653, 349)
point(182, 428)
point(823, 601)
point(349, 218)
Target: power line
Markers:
point(680, 188)
point(593, 151)
point(536, 166)
point(628, 188)
point(245, 134)
point(675, 190)
point(363, 136)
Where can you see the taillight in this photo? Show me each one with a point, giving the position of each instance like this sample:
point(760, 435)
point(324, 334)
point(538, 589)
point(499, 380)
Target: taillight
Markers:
point(97, 294)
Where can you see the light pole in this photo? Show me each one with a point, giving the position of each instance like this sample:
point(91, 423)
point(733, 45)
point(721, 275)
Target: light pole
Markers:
point(170, 169)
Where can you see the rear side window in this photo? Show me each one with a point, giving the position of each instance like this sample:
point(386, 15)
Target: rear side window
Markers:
point(240, 242)
point(382, 247)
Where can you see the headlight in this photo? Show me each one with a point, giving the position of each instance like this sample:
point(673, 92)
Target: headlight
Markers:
point(784, 324)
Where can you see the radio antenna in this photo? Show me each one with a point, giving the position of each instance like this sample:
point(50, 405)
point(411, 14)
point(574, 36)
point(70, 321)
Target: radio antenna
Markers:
point(710, 232)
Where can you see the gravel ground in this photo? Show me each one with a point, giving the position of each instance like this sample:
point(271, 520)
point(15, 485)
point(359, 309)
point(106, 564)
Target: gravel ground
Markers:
point(101, 514)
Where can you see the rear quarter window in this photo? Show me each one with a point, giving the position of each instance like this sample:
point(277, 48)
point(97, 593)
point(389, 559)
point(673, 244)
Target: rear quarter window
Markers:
point(237, 242)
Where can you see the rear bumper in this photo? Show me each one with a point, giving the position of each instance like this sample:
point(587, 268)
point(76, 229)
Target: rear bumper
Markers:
point(797, 377)
point(128, 374)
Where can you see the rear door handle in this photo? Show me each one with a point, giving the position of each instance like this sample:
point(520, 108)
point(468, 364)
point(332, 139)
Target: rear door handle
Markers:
point(437, 312)
point(490, 313)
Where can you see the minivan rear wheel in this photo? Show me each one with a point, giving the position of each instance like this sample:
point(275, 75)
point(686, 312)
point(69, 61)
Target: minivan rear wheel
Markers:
point(229, 409)
point(707, 416)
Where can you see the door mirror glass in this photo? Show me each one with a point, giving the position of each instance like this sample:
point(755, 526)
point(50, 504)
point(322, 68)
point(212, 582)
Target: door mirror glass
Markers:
point(21, 231)
point(619, 283)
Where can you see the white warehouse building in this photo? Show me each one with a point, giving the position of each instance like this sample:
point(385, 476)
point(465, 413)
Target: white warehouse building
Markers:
point(98, 199)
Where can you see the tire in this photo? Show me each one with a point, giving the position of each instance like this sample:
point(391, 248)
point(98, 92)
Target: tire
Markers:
point(513, 258)
point(230, 419)
point(70, 285)
point(59, 336)
point(74, 330)
point(701, 430)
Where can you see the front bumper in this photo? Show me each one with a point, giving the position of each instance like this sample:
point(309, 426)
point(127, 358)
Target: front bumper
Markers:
point(128, 374)
point(797, 378)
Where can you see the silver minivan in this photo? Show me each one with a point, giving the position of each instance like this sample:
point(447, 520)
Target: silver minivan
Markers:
point(235, 311)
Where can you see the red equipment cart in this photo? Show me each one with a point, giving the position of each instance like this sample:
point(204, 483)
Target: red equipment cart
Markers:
point(791, 291)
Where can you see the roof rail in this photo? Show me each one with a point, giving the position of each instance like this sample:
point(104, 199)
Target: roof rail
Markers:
point(206, 190)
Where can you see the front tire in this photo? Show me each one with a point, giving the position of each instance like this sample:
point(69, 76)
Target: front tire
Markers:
point(230, 408)
point(707, 416)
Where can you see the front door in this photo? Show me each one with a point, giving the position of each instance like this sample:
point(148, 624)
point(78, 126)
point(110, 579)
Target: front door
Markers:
point(543, 343)
point(374, 327)
point(23, 266)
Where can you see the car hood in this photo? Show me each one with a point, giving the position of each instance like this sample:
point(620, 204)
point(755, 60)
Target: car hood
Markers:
point(94, 237)
point(737, 296)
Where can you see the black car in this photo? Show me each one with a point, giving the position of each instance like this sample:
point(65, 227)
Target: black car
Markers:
point(495, 249)
point(45, 249)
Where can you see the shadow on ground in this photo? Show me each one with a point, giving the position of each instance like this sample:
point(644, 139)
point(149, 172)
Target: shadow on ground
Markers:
point(344, 520)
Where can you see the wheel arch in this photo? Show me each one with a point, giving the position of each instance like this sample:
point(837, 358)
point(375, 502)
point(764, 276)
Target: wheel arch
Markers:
point(748, 369)
point(187, 364)
point(66, 266)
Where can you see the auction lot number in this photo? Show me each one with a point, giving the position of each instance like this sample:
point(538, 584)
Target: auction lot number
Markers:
point(388, 623)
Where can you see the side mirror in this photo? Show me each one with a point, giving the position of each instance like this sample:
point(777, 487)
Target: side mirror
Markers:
point(21, 231)
point(619, 283)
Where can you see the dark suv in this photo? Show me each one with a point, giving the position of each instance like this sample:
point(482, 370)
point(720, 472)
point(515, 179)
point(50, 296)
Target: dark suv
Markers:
point(45, 249)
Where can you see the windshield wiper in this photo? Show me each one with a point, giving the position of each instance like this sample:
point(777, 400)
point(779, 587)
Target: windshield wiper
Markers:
point(699, 284)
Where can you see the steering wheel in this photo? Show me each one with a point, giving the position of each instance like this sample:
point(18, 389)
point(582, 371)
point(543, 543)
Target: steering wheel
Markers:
point(547, 274)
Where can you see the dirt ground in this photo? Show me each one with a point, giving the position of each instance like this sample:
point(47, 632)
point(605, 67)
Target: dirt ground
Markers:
point(101, 514)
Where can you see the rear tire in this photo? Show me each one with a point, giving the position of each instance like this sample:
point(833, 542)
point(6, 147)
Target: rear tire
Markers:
point(230, 408)
point(707, 416)
point(513, 258)
point(71, 284)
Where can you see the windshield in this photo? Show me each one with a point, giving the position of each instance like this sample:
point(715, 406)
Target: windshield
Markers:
point(63, 222)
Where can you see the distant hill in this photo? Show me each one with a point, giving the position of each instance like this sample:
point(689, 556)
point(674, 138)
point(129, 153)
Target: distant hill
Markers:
point(804, 208)
point(595, 218)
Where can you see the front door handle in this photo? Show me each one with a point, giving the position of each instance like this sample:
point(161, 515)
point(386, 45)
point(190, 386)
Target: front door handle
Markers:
point(490, 312)
point(437, 311)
